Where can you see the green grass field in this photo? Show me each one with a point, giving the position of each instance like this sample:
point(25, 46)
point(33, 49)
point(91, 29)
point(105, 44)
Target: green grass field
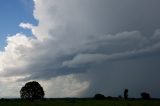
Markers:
point(79, 102)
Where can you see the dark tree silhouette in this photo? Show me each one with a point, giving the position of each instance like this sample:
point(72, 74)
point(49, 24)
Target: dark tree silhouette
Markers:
point(32, 90)
point(126, 94)
point(99, 96)
point(145, 95)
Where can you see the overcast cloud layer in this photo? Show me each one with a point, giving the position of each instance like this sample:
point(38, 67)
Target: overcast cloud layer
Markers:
point(83, 47)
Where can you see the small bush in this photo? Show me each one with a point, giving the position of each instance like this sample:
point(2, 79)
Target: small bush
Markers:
point(145, 95)
point(99, 96)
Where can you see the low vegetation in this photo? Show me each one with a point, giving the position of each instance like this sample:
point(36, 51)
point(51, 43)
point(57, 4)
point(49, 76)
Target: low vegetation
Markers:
point(79, 102)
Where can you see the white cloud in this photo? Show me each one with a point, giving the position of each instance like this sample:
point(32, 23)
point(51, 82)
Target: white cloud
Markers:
point(11, 56)
point(26, 25)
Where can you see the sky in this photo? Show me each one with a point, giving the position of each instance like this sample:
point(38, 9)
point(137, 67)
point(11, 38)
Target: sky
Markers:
point(14, 12)
point(77, 48)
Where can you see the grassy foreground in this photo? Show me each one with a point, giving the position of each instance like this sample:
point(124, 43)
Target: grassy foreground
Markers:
point(80, 102)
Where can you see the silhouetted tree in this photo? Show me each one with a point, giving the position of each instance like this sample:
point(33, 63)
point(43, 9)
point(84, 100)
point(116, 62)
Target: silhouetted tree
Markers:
point(126, 94)
point(145, 95)
point(99, 96)
point(32, 90)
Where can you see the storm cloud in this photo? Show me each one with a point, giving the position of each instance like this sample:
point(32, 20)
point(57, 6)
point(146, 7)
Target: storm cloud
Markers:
point(83, 47)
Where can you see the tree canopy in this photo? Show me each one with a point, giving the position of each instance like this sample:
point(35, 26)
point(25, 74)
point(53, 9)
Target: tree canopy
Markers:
point(145, 95)
point(99, 96)
point(126, 94)
point(32, 90)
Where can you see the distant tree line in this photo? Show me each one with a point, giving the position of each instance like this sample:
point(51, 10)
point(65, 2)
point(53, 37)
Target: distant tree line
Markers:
point(144, 95)
point(33, 90)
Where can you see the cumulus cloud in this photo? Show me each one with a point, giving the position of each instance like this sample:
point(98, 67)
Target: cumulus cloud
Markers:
point(79, 49)
point(26, 25)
